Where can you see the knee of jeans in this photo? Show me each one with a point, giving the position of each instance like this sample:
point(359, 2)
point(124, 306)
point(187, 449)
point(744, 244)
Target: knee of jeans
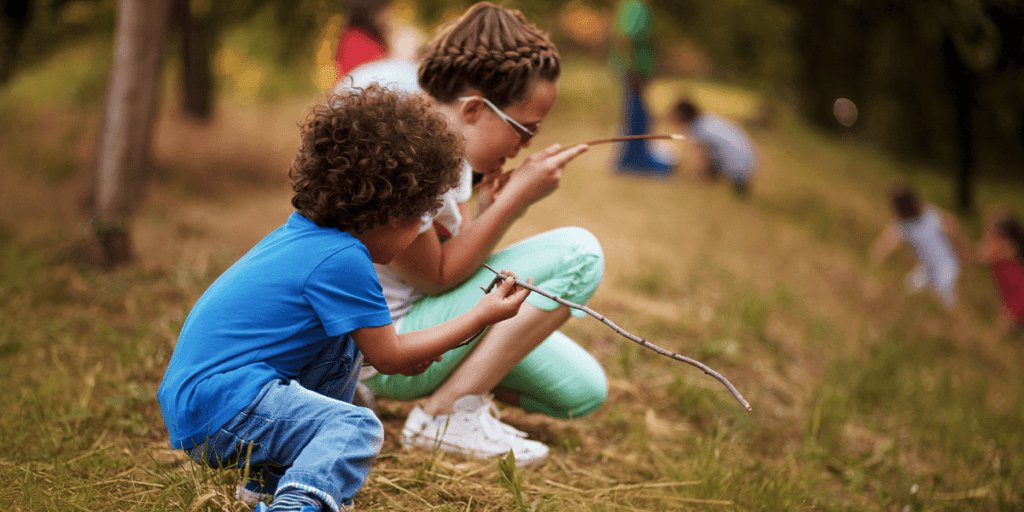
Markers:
point(366, 422)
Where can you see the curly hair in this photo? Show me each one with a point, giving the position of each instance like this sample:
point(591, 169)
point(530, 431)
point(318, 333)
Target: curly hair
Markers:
point(491, 49)
point(369, 155)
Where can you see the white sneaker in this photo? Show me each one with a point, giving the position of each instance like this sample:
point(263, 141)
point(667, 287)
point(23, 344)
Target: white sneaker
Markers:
point(473, 429)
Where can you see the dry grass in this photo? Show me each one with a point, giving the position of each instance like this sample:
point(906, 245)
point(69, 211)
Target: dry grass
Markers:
point(863, 398)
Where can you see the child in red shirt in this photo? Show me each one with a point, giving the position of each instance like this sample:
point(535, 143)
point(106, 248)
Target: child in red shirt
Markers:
point(365, 36)
point(1003, 250)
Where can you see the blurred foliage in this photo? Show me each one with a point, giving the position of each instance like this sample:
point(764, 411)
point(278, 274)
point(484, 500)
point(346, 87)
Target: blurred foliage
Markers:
point(31, 30)
point(902, 63)
point(906, 65)
point(748, 40)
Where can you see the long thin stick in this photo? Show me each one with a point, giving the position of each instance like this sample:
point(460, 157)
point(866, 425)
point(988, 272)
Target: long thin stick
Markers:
point(631, 337)
point(671, 136)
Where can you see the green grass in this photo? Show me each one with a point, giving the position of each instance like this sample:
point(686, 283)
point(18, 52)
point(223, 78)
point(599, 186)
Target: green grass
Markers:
point(864, 398)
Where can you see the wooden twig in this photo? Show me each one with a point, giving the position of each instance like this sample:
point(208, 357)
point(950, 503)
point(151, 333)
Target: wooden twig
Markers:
point(631, 337)
point(670, 136)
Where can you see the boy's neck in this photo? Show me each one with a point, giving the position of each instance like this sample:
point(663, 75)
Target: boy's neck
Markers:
point(375, 243)
point(385, 241)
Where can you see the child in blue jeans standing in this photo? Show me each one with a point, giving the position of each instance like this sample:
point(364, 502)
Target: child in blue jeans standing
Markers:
point(265, 367)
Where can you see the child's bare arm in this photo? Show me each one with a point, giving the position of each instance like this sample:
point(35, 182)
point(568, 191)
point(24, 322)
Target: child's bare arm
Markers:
point(433, 267)
point(952, 229)
point(701, 160)
point(885, 244)
point(390, 352)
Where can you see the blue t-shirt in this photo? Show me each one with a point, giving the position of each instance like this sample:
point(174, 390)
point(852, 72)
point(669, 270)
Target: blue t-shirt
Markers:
point(729, 149)
point(264, 319)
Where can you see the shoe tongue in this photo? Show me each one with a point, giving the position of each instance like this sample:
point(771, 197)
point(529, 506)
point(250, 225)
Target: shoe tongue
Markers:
point(468, 403)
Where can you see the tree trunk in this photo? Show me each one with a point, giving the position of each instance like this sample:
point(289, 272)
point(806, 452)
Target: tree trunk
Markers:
point(123, 147)
point(196, 76)
point(962, 83)
point(965, 135)
point(14, 19)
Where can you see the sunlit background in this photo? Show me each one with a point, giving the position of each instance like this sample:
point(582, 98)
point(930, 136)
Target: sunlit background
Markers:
point(865, 396)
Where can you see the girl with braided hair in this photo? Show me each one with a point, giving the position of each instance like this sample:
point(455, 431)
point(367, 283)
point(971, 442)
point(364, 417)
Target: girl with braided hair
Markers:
point(495, 77)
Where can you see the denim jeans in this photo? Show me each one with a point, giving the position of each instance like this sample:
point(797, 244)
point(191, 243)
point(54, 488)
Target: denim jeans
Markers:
point(303, 434)
point(636, 156)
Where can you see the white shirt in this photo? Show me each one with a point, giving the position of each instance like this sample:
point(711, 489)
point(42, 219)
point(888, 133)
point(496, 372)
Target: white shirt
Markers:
point(399, 294)
point(400, 75)
point(928, 240)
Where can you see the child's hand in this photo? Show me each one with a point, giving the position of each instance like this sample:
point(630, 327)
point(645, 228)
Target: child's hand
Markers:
point(503, 302)
point(540, 174)
point(489, 188)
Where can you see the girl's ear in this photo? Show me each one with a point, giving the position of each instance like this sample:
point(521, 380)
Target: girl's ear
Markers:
point(471, 110)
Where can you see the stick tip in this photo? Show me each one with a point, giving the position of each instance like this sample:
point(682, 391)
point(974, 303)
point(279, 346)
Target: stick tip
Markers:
point(677, 136)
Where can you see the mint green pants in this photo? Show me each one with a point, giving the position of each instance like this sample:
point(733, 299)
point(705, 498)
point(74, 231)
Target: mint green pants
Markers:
point(558, 378)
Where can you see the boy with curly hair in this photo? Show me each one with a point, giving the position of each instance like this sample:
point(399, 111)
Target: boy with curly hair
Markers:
point(264, 369)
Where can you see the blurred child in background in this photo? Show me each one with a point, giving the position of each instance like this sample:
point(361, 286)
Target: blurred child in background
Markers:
point(1002, 249)
point(365, 38)
point(722, 147)
point(929, 232)
point(632, 57)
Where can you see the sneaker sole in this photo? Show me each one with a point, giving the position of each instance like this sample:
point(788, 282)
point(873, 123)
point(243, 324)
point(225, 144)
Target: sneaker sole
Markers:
point(420, 441)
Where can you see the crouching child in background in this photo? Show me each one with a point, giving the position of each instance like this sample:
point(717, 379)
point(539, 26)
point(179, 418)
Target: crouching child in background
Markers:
point(721, 147)
point(266, 364)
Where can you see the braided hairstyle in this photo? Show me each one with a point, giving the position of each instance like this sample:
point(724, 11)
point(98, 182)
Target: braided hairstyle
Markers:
point(491, 49)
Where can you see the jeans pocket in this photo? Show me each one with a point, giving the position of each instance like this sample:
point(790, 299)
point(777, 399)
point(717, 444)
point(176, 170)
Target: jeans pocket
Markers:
point(217, 451)
point(254, 453)
point(226, 450)
point(332, 371)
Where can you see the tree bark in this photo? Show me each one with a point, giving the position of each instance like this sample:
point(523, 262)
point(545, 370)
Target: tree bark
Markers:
point(123, 146)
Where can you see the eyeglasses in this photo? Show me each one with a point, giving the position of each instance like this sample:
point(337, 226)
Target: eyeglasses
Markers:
point(525, 134)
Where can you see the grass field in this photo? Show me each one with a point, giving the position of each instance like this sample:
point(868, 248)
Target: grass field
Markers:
point(864, 398)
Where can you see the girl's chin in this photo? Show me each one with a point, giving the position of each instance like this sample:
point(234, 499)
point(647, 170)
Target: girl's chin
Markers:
point(488, 168)
point(493, 169)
